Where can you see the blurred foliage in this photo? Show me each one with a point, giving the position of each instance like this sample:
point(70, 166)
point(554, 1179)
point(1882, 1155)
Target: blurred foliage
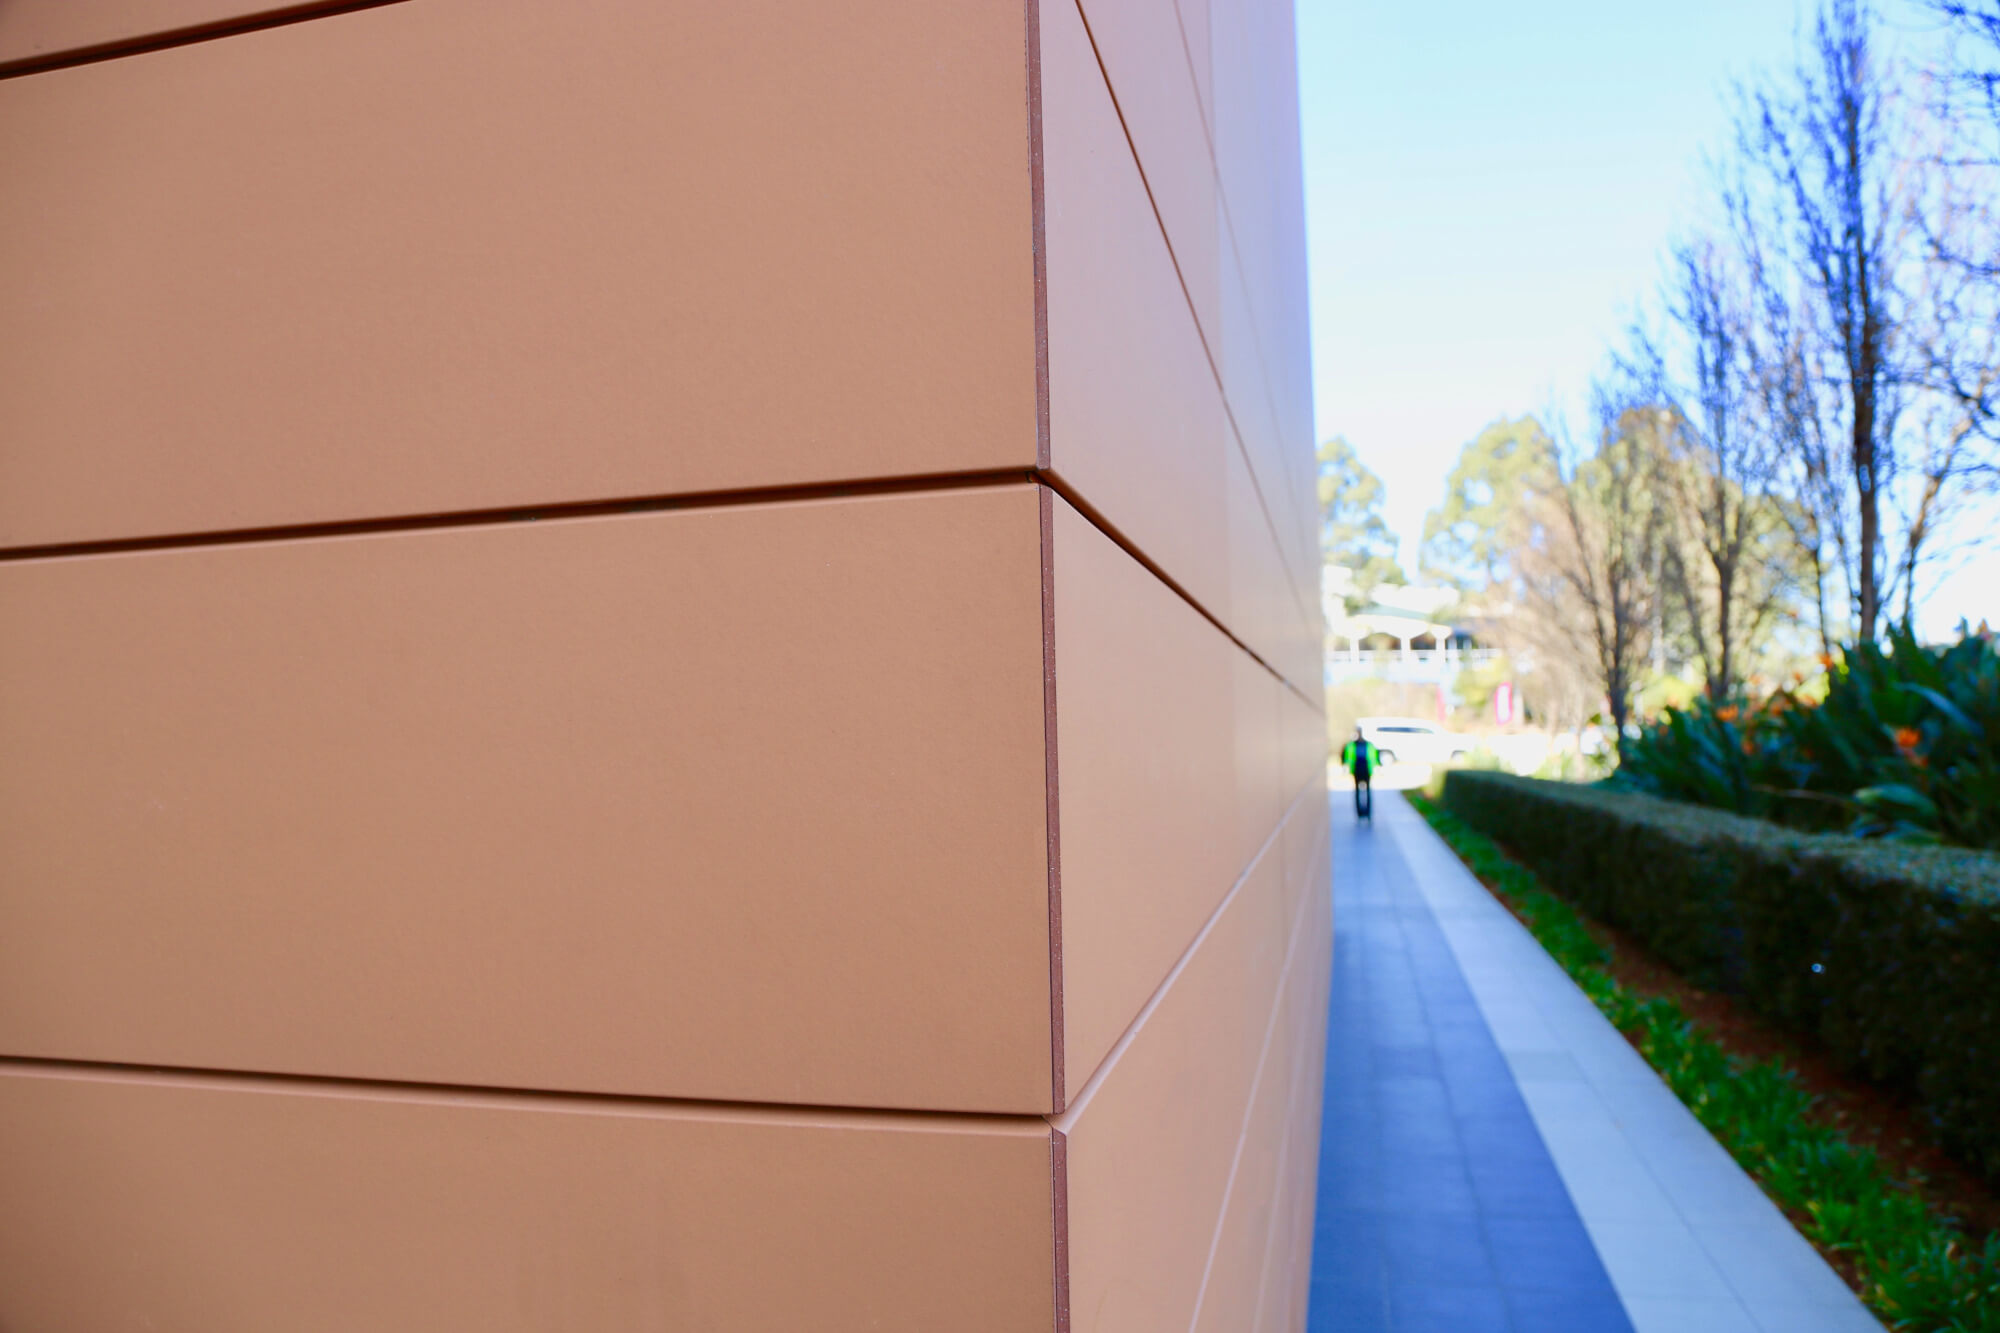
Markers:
point(1470, 539)
point(1353, 533)
point(1475, 686)
point(1905, 743)
point(1919, 1271)
point(1573, 766)
point(1664, 691)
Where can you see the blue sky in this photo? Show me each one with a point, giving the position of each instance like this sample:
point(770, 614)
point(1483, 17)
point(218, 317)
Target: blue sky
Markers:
point(1489, 191)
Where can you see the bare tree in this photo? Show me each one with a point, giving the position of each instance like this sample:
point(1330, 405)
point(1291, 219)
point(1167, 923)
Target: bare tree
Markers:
point(1946, 485)
point(1980, 18)
point(1976, 26)
point(1829, 155)
point(1588, 585)
point(1948, 458)
point(1857, 221)
point(1793, 380)
point(1957, 281)
point(1788, 355)
point(1720, 462)
point(1937, 459)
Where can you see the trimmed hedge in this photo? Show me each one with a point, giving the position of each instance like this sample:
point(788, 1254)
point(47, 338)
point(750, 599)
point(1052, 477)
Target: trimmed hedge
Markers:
point(1917, 1269)
point(1886, 953)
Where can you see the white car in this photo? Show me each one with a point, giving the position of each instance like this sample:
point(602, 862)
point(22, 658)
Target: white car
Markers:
point(1411, 740)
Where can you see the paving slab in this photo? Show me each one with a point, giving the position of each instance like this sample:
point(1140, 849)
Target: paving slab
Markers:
point(1496, 1155)
point(1441, 1209)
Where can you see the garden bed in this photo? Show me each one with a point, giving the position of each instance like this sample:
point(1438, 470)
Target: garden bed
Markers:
point(1862, 1113)
point(1910, 1230)
point(1883, 956)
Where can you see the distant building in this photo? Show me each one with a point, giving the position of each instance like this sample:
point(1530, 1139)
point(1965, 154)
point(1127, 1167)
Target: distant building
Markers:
point(1402, 632)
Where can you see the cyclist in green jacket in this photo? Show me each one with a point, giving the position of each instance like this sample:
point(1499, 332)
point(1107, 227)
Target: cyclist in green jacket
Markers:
point(1361, 759)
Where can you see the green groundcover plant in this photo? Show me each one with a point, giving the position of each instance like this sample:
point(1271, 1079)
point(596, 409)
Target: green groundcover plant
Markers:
point(1906, 744)
point(1918, 1271)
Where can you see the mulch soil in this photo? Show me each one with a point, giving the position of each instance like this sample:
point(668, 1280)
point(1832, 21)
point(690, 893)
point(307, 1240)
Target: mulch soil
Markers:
point(1865, 1114)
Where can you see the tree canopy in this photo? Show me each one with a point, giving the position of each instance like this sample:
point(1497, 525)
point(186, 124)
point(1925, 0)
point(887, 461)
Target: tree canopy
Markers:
point(1354, 535)
point(1467, 539)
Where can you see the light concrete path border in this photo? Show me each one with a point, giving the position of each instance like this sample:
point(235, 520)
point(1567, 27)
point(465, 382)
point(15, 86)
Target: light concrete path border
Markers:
point(1689, 1240)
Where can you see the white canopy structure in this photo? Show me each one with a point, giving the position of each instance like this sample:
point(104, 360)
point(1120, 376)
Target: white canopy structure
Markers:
point(1427, 647)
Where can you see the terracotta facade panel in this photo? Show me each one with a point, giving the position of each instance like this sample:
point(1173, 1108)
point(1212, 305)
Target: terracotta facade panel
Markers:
point(1309, 1115)
point(1304, 836)
point(1147, 752)
point(1137, 425)
point(1267, 356)
point(1307, 655)
point(1282, 1287)
point(1147, 1187)
point(1307, 742)
point(1262, 595)
point(1285, 1279)
point(230, 1206)
point(1258, 155)
point(1193, 16)
point(627, 701)
point(1274, 1302)
point(1146, 60)
point(456, 255)
point(742, 803)
point(1257, 1221)
point(1261, 742)
point(1265, 446)
point(35, 31)
point(1156, 60)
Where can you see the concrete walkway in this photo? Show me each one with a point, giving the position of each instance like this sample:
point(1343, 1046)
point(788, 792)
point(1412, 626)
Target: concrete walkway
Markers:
point(1496, 1156)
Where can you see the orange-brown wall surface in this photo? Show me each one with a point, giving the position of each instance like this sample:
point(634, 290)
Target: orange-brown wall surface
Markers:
point(659, 668)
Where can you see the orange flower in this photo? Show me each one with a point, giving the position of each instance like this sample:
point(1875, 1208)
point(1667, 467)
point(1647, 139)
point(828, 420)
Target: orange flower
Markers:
point(1727, 713)
point(1908, 738)
point(1749, 746)
point(1826, 660)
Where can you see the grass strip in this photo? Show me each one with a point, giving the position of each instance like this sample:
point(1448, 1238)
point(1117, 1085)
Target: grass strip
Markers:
point(1918, 1272)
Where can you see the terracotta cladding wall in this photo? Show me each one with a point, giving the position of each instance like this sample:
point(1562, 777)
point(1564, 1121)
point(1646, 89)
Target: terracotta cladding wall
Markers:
point(39, 33)
point(453, 255)
point(659, 668)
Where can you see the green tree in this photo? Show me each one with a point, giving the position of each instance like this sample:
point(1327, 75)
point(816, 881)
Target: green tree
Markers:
point(1467, 539)
point(1353, 533)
